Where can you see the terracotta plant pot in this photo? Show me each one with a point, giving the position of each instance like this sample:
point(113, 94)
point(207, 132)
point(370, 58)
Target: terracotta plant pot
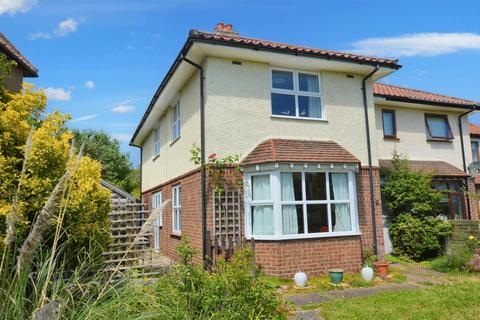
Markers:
point(382, 268)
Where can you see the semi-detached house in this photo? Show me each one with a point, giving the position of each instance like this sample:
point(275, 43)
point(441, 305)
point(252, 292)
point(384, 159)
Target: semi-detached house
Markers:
point(312, 128)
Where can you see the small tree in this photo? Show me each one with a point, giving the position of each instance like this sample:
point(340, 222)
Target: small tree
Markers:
point(408, 191)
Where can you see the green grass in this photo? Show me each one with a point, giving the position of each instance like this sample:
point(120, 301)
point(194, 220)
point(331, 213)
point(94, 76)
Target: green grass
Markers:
point(459, 301)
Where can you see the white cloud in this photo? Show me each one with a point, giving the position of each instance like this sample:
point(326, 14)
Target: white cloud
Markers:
point(13, 6)
point(63, 29)
point(122, 137)
point(123, 108)
point(89, 84)
point(84, 118)
point(58, 94)
point(418, 44)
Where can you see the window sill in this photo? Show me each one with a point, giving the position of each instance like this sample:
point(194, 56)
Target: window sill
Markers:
point(449, 140)
point(391, 138)
point(303, 236)
point(176, 139)
point(298, 118)
point(156, 157)
point(176, 235)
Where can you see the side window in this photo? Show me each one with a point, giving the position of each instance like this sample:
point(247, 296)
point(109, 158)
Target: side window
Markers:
point(389, 124)
point(157, 203)
point(177, 209)
point(156, 142)
point(176, 121)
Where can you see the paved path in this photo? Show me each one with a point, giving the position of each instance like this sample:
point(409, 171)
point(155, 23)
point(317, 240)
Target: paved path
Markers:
point(417, 277)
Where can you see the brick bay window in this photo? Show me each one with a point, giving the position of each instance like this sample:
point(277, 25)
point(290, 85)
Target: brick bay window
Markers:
point(300, 201)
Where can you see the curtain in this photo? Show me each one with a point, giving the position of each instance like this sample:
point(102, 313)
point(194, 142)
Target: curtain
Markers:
point(314, 103)
point(342, 210)
point(262, 215)
point(289, 212)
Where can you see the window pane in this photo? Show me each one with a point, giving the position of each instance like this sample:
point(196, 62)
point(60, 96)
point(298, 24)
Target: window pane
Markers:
point(388, 123)
point(291, 186)
point(262, 220)
point(292, 219)
point(341, 217)
point(283, 104)
point(282, 79)
point(317, 218)
point(438, 127)
point(310, 107)
point(315, 185)
point(339, 186)
point(308, 82)
point(261, 187)
point(475, 151)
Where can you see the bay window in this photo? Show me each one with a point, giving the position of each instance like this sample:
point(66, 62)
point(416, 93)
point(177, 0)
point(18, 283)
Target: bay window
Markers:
point(296, 94)
point(284, 204)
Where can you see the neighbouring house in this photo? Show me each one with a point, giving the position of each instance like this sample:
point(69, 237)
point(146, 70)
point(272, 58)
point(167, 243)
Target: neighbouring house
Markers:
point(23, 68)
point(474, 167)
point(311, 128)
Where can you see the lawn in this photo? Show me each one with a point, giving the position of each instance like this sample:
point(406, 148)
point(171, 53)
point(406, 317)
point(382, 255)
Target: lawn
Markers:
point(457, 301)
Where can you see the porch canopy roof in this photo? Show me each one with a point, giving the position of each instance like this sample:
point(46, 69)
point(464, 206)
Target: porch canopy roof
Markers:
point(298, 151)
point(435, 167)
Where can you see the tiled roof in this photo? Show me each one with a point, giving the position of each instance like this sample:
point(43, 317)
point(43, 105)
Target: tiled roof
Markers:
point(474, 130)
point(287, 150)
point(236, 40)
point(438, 168)
point(12, 52)
point(412, 95)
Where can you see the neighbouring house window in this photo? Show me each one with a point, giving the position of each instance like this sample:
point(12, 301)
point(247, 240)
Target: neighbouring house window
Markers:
point(475, 150)
point(389, 125)
point(176, 121)
point(156, 142)
point(157, 223)
point(288, 205)
point(296, 94)
point(438, 127)
point(177, 209)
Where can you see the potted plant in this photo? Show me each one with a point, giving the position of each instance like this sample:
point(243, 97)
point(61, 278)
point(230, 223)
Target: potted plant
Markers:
point(382, 268)
point(369, 260)
point(336, 276)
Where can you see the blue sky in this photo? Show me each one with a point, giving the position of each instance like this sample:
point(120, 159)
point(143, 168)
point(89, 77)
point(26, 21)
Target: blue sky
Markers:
point(102, 60)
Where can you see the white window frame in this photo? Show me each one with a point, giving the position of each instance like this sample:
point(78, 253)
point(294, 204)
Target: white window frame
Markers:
point(177, 209)
point(296, 92)
point(275, 189)
point(176, 121)
point(156, 142)
point(158, 222)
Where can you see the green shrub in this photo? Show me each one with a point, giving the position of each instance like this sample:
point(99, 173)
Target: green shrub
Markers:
point(418, 238)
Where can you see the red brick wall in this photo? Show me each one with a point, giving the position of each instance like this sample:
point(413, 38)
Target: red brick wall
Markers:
point(282, 258)
point(473, 198)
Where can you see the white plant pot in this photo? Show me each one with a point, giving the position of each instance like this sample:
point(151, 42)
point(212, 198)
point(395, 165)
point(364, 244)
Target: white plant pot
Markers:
point(300, 279)
point(367, 273)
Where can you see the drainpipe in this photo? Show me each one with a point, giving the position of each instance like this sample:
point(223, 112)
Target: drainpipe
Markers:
point(469, 210)
point(369, 150)
point(202, 158)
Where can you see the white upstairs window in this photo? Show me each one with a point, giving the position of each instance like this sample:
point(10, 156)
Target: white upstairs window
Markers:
point(156, 142)
point(177, 210)
point(296, 94)
point(176, 121)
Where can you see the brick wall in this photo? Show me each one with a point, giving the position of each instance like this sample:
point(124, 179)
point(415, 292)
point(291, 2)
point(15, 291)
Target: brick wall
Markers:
point(282, 258)
point(461, 230)
point(473, 199)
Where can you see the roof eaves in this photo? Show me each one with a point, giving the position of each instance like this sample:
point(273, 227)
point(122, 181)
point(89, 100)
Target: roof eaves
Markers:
point(428, 102)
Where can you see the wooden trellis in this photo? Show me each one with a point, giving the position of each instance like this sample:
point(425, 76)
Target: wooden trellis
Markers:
point(227, 233)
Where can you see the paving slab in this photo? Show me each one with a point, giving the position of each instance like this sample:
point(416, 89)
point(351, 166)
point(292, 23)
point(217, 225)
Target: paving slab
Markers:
point(363, 292)
point(307, 298)
point(306, 315)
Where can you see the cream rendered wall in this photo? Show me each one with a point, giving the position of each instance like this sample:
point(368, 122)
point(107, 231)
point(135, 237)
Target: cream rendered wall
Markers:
point(412, 136)
point(174, 159)
point(238, 111)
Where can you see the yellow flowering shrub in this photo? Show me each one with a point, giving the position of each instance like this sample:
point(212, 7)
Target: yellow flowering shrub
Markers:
point(86, 221)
